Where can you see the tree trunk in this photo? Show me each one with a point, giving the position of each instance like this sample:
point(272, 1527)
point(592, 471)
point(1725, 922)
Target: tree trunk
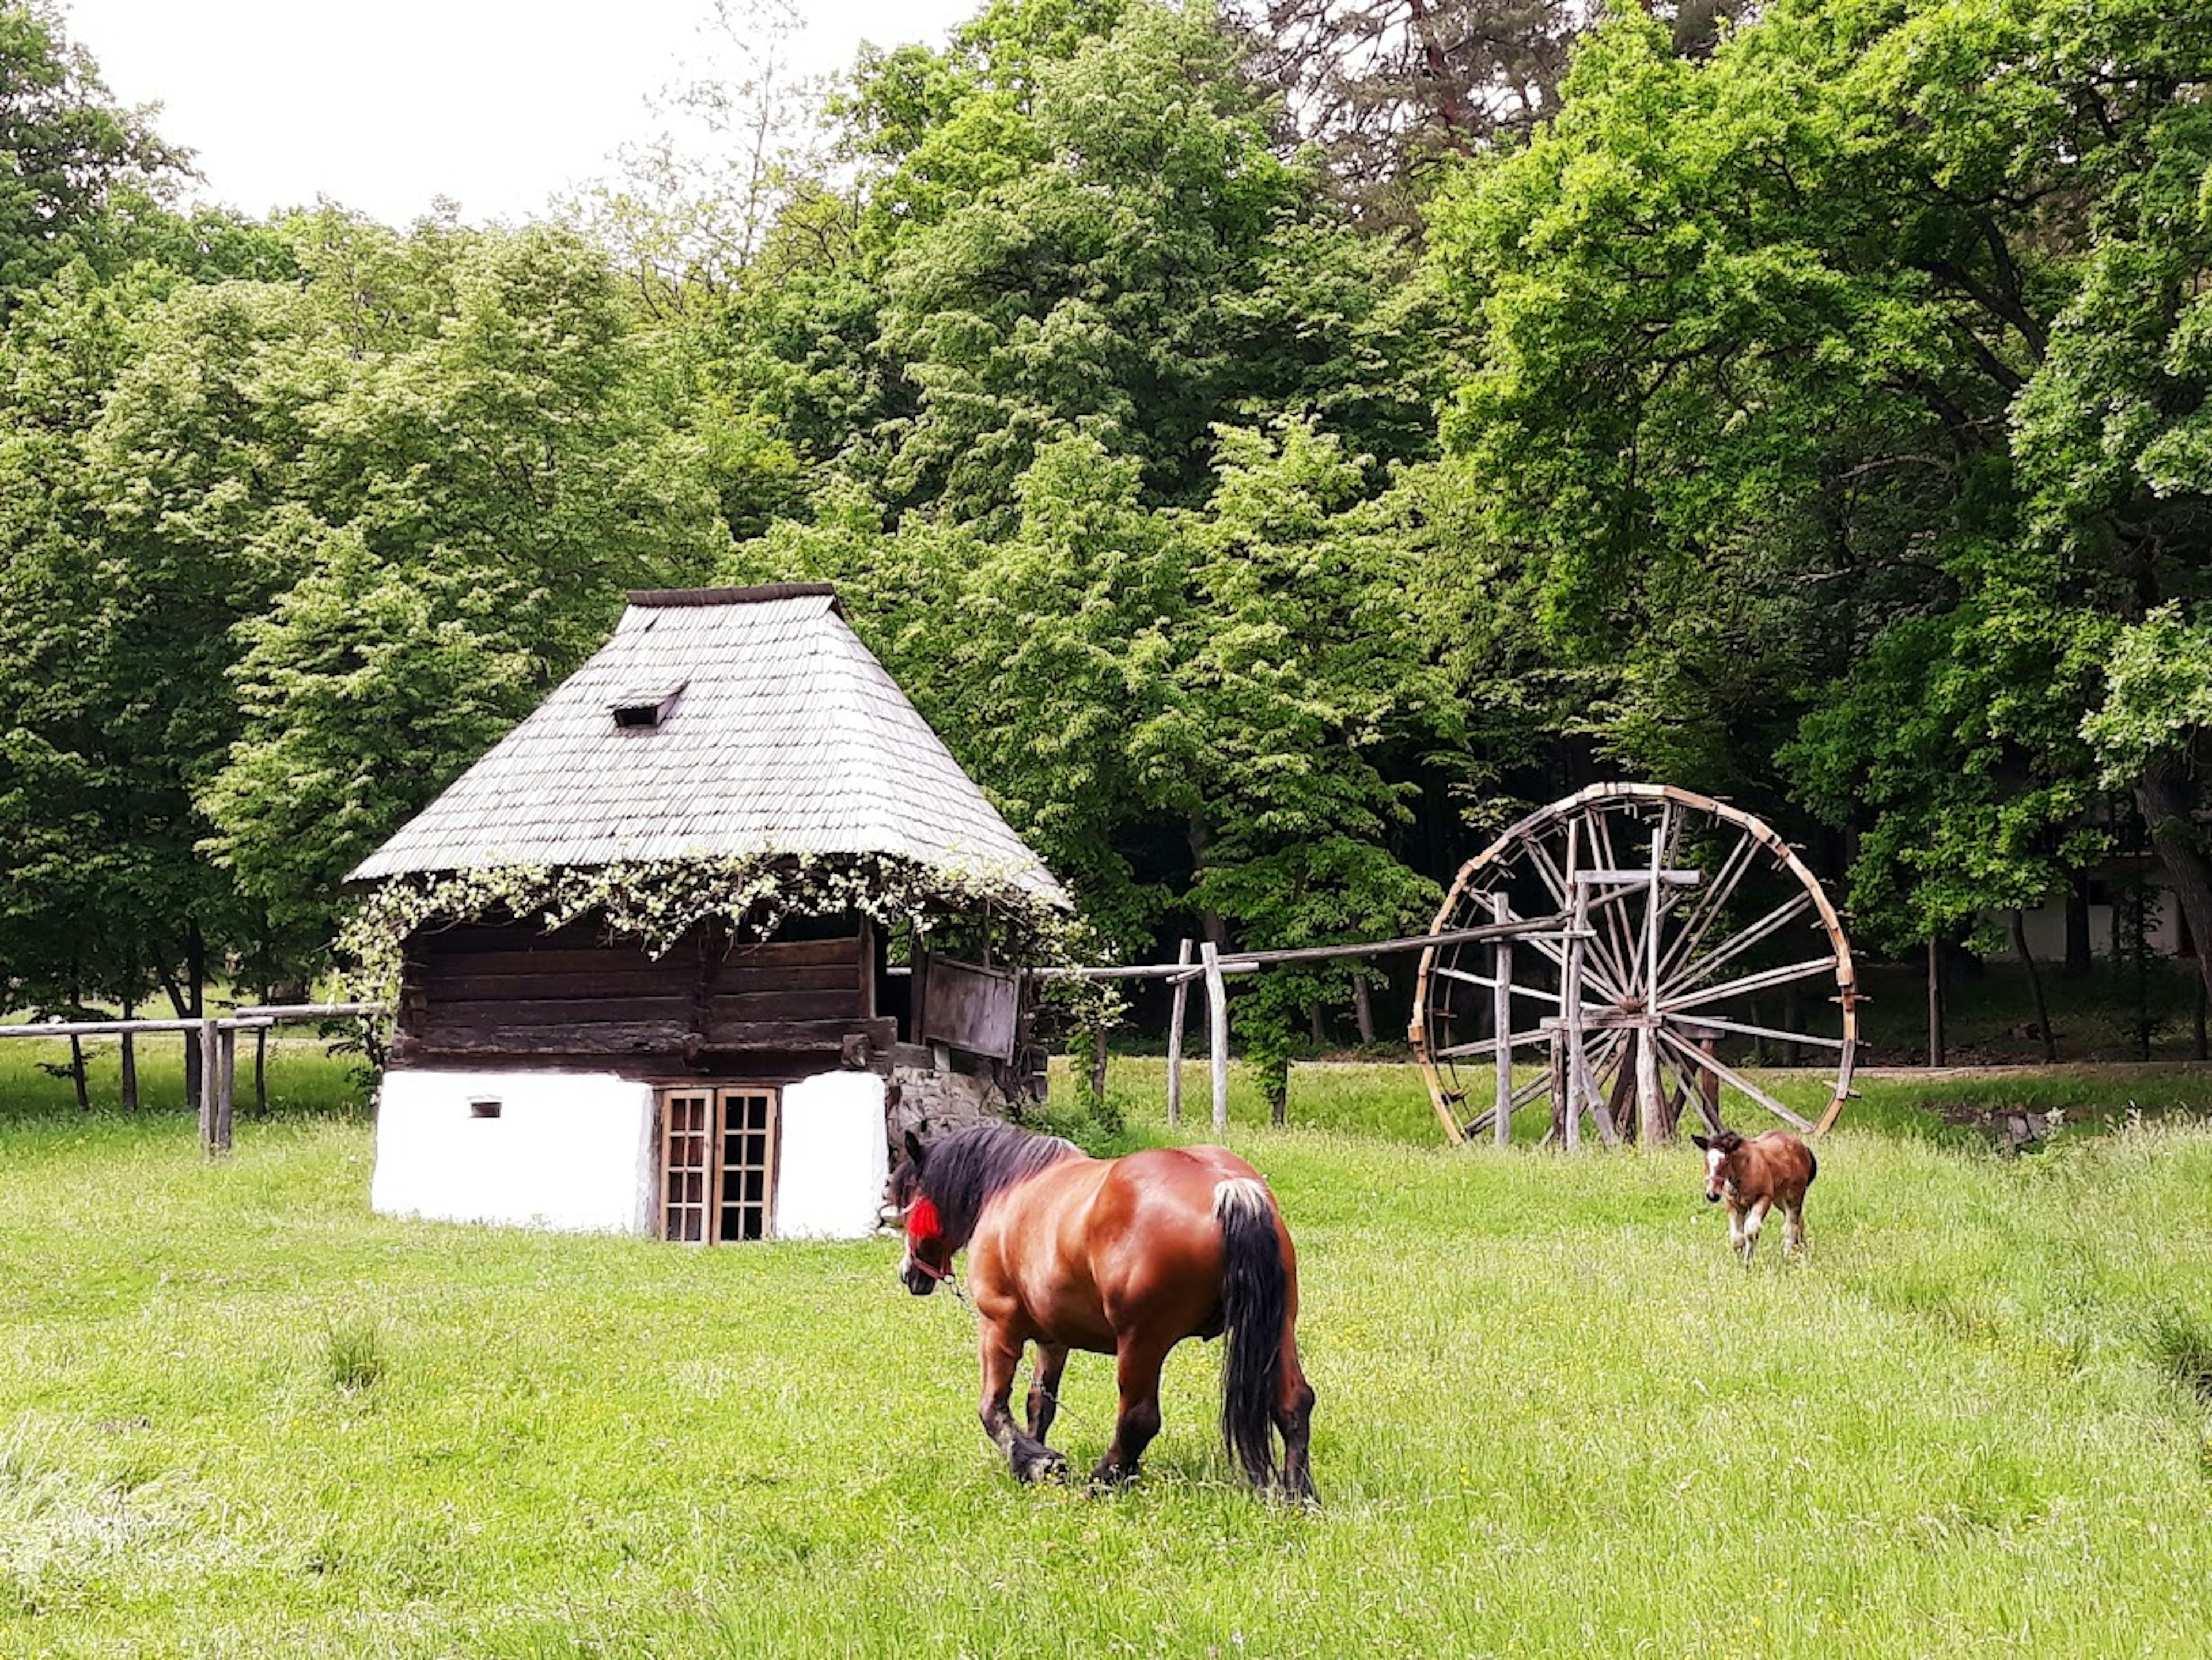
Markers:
point(2035, 988)
point(1314, 1025)
point(76, 1074)
point(1793, 1017)
point(193, 1008)
point(1935, 1001)
point(2165, 810)
point(1363, 1011)
point(261, 1072)
point(2079, 955)
point(1098, 1064)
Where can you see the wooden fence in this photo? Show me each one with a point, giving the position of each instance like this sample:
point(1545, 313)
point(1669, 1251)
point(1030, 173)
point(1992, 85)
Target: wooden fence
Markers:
point(218, 1046)
point(1214, 969)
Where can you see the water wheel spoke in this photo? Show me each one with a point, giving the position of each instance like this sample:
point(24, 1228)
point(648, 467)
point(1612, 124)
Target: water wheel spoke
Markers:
point(1604, 973)
point(1780, 917)
point(1711, 904)
point(1749, 984)
point(1729, 1075)
point(1629, 962)
point(1491, 982)
point(1489, 1045)
point(1745, 1029)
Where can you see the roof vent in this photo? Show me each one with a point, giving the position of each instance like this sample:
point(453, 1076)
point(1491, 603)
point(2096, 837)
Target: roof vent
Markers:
point(646, 709)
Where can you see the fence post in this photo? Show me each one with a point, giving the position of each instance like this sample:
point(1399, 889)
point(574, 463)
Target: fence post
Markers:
point(1501, 1011)
point(1179, 1002)
point(1217, 1032)
point(210, 1062)
point(225, 1082)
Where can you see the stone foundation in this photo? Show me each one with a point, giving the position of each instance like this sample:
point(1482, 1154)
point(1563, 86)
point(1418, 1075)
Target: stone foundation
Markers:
point(945, 1101)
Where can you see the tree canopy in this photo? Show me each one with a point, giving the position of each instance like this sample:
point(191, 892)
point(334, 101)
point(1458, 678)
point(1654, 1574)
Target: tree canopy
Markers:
point(1272, 446)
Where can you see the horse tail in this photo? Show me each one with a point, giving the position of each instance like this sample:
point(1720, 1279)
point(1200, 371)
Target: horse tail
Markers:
point(1255, 1304)
point(1811, 1166)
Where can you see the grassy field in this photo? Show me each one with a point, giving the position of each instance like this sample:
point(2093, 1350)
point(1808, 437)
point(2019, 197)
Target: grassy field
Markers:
point(241, 1415)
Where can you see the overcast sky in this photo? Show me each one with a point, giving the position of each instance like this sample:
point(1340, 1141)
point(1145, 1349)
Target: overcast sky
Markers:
point(385, 105)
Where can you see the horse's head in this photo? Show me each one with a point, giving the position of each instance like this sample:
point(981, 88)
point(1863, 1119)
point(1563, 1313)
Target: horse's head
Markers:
point(1720, 1152)
point(928, 1257)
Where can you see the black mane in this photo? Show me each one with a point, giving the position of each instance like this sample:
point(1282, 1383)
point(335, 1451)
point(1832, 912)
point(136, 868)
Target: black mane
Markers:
point(962, 1172)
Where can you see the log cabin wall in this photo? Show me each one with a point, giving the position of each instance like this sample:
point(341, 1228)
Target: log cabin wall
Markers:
point(766, 1011)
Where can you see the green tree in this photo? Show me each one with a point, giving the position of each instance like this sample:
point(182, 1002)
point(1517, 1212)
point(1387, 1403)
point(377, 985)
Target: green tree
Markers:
point(66, 150)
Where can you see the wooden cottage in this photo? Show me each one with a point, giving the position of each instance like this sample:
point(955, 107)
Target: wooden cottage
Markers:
point(734, 821)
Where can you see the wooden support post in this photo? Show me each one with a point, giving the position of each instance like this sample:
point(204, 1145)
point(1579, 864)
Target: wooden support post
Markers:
point(1217, 1032)
point(1709, 1086)
point(1571, 1018)
point(1178, 1003)
point(1652, 1128)
point(209, 1060)
point(226, 1084)
point(1501, 1006)
point(261, 1072)
point(1559, 1062)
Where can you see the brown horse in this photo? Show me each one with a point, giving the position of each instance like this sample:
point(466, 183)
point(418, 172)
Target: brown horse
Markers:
point(1769, 1170)
point(1119, 1256)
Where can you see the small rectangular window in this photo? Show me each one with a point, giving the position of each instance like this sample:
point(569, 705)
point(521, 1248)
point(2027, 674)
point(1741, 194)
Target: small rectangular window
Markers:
point(484, 1106)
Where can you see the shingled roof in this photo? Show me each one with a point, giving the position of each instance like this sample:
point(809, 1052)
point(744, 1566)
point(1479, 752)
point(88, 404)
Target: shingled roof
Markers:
point(719, 722)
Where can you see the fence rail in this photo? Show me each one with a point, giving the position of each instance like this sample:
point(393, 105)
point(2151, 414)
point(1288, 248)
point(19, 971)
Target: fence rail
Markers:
point(1214, 969)
point(218, 1046)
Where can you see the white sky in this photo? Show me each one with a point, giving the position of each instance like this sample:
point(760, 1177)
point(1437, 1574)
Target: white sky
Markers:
point(384, 105)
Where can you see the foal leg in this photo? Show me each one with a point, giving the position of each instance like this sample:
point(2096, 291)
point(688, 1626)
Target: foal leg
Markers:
point(1736, 1230)
point(1032, 1461)
point(1044, 1387)
point(1754, 1220)
point(1793, 1228)
point(1137, 1375)
point(1294, 1422)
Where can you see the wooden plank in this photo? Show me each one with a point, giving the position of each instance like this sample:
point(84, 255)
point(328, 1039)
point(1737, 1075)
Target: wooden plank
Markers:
point(1216, 1029)
point(843, 1004)
point(969, 1007)
point(1178, 1001)
point(794, 1035)
point(606, 1037)
point(1501, 1012)
point(550, 1011)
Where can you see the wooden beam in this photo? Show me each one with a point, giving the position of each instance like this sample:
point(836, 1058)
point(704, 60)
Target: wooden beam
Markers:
point(1178, 1003)
point(1217, 1033)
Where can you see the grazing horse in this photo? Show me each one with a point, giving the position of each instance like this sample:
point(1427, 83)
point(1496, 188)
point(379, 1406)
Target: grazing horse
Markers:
point(1119, 1256)
point(1753, 1176)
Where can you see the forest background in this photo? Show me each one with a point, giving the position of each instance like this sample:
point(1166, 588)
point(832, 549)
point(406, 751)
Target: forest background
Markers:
point(1272, 446)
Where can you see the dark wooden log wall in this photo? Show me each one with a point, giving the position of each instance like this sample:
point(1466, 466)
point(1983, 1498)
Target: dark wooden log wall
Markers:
point(487, 996)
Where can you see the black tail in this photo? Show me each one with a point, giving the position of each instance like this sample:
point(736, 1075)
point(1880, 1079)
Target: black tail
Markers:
point(1254, 1302)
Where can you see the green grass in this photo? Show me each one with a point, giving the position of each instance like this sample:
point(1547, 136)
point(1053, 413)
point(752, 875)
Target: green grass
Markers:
point(239, 1415)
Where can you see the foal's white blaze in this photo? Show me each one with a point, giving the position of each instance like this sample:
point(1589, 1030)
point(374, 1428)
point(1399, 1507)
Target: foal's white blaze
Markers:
point(1714, 1159)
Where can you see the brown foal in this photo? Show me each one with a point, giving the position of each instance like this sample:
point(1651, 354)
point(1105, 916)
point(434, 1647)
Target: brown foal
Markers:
point(1121, 1256)
point(1754, 1175)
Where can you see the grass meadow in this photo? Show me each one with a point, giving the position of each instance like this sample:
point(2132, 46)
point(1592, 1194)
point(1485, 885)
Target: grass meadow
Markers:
point(240, 1415)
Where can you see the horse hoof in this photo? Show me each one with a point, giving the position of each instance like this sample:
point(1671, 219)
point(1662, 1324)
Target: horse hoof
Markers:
point(1107, 1478)
point(1046, 1466)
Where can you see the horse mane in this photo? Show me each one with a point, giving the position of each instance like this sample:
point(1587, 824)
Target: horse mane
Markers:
point(968, 1169)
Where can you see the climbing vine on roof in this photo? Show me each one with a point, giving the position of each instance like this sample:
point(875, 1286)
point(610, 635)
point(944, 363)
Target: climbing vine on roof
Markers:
point(656, 903)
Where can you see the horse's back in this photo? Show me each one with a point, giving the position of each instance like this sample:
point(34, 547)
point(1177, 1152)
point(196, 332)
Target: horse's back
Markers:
point(1789, 1164)
point(1084, 1245)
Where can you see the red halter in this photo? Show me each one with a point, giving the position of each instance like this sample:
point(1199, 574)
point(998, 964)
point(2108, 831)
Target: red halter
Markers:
point(922, 1225)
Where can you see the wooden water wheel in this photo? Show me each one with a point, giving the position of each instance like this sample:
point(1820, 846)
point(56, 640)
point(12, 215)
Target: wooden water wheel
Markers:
point(1681, 956)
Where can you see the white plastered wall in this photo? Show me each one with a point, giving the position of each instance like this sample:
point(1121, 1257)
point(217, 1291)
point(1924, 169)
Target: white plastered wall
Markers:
point(568, 1151)
point(833, 1159)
